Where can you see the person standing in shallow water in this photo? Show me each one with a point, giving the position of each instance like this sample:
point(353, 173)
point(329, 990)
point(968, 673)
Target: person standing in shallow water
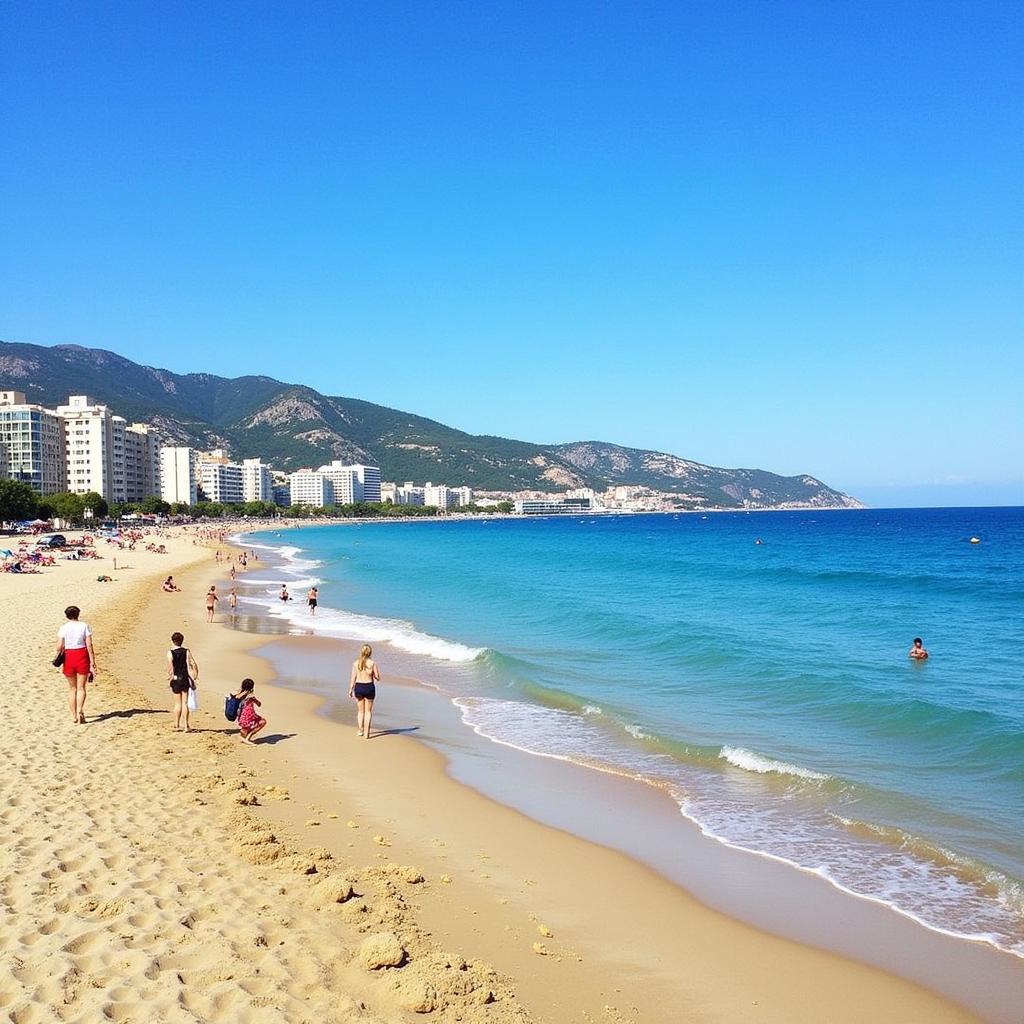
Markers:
point(917, 652)
point(362, 686)
point(211, 603)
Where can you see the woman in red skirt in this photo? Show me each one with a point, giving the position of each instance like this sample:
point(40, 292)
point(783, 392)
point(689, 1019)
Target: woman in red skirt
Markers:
point(75, 639)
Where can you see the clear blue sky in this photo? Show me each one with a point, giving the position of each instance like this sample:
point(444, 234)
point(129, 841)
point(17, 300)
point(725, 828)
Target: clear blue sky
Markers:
point(761, 234)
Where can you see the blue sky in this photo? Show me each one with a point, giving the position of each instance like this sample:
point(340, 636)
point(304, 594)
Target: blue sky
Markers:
point(776, 235)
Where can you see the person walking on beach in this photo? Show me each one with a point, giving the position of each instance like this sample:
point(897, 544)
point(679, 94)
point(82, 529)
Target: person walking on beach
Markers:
point(211, 603)
point(284, 595)
point(182, 675)
point(250, 722)
point(233, 602)
point(311, 600)
point(365, 675)
point(74, 641)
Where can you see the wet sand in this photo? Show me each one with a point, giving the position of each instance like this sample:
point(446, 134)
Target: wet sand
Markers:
point(151, 875)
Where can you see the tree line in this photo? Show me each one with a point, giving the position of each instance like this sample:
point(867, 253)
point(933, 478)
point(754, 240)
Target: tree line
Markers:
point(18, 502)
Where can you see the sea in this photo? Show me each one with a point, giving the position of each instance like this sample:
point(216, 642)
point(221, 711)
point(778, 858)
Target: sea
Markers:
point(753, 665)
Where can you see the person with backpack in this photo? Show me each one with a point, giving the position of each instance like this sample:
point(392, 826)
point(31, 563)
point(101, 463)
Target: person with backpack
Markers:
point(242, 705)
point(182, 673)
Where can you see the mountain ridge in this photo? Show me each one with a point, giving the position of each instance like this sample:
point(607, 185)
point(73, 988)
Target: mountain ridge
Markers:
point(292, 425)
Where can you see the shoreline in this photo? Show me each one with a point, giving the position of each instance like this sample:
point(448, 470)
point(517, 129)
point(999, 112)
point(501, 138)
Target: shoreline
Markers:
point(414, 653)
point(166, 876)
point(973, 971)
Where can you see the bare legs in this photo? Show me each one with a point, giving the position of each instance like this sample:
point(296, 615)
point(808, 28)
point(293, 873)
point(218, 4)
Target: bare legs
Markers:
point(76, 697)
point(247, 737)
point(364, 715)
point(181, 708)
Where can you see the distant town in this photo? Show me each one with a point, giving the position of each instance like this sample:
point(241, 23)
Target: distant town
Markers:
point(85, 449)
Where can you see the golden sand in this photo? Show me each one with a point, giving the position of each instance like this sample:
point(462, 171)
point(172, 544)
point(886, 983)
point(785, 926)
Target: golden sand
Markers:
point(148, 875)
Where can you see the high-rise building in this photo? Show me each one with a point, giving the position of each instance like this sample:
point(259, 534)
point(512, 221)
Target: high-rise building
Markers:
point(436, 494)
point(409, 494)
point(32, 443)
point(369, 482)
point(94, 448)
point(141, 462)
point(178, 475)
point(346, 486)
point(461, 496)
point(310, 487)
point(221, 481)
point(257, 483)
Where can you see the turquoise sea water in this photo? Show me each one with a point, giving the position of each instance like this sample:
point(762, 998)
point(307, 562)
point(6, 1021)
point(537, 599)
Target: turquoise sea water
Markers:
point(767, 687)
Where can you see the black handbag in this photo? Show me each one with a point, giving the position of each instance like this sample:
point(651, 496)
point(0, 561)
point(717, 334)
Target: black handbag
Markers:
point(59, 660)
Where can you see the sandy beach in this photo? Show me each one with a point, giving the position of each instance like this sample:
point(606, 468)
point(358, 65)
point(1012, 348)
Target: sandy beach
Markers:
point(150, 875)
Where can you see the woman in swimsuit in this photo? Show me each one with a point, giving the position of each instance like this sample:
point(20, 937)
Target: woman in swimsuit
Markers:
point(211, 603)
point(365, 675)
point(74, 639)
point(182, 674)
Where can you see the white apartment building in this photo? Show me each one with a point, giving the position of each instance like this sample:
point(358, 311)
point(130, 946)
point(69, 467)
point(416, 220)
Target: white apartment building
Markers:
point(94, 448)
point(409, 494)
point(369, 482)
point(346, 485)
point(178, 475)
point(221, 481)
point(437, 494)
point(32, 444)
point(310, 487)
point(257, 482)
point(462, 496)
point(389, 492)
point(141, 462)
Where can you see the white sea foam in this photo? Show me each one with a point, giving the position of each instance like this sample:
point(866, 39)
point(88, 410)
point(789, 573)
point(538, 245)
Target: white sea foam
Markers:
point(592, 709)
point(636, 732)
point(367, 628)
point(751, 762)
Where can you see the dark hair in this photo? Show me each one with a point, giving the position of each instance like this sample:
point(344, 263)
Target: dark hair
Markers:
point(247, 685)
point(177, 638)
point(72, 611)
point(917, 640)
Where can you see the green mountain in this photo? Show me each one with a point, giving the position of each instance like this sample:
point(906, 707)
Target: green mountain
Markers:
point(289, 426)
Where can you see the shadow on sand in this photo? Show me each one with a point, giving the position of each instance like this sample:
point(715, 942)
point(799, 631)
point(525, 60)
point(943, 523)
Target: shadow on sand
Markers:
point(394, 732)
point(276, 737)
point(129, 713)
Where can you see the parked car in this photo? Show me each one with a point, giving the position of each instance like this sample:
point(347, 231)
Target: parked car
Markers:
point(53, 540)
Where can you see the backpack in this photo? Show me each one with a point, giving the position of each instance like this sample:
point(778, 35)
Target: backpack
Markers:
point(231, 706)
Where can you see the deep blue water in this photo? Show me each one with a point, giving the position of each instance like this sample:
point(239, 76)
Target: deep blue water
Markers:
point(767, 686)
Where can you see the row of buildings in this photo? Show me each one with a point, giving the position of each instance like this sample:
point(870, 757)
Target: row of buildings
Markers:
point(84, 447)
point(79, 447)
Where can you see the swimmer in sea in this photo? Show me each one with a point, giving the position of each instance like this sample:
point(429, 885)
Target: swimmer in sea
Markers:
point(917, 652)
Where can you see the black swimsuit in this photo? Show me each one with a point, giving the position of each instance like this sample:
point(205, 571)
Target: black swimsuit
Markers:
point(180, 682)
point(365, 691)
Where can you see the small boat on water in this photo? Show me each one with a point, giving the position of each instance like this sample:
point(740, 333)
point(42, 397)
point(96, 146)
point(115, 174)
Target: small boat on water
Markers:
point(975, 540)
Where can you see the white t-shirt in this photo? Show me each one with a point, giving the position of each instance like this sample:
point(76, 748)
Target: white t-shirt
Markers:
point(73, 634)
